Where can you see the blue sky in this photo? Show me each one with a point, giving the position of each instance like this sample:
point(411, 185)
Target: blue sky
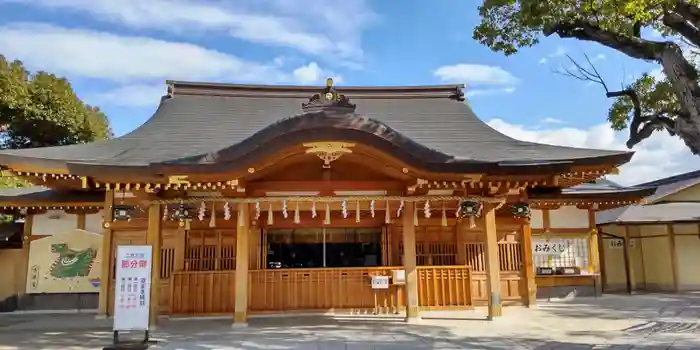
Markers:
point(118, 53)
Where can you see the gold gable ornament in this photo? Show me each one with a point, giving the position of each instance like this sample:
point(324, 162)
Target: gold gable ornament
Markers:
point(329, 152)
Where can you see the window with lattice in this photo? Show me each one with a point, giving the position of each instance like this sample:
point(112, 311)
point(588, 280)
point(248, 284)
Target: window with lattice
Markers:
point(210, 250)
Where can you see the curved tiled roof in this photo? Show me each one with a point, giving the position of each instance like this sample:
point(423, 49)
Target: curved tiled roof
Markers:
point(199, 119)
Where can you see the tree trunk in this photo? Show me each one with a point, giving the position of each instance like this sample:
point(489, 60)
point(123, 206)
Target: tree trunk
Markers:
point(684, 79)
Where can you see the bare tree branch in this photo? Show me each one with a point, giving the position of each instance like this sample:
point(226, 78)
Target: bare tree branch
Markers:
point(641, 126)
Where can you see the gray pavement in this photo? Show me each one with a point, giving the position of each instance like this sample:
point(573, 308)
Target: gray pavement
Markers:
point(654, 321)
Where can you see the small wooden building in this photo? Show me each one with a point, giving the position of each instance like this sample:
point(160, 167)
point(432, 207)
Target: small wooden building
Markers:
point(269, 199)
point(654, 247)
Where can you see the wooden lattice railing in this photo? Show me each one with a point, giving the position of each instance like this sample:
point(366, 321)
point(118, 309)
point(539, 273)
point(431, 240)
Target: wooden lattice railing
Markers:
point(202, 292)
point(212, 292)
point(444, 287)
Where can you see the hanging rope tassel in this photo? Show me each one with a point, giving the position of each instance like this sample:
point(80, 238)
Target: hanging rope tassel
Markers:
point(444, 215)
point(270, 215)
point(387, 214)
point(227, 211)
point(327, 221)
point(165, 212)
point(415, 217)
point(313, 209)
point(297, 219)
point(472, 221)
point(357, 211)
point(212, 219)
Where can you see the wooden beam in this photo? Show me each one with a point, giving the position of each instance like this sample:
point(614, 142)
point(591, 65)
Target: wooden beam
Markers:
point(409, 262)
point(493, 279)
point(107, 256)
point(240, 317)
point(673, 256)
point(268, 186)
point(529, 267)
point(154, 238)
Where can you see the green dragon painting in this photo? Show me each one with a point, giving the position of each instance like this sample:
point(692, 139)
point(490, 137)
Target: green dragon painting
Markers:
point(71, 263)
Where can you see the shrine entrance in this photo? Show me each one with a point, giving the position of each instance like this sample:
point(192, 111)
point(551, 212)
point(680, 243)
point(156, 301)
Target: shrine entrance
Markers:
point(323, 247)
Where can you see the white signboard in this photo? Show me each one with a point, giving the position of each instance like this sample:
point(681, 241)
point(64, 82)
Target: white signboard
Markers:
point(551, 247)
point(380, 282)
point(132, 291)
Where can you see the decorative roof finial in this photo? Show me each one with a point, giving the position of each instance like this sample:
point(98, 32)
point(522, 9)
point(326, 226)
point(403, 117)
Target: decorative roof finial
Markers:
point(328, 99)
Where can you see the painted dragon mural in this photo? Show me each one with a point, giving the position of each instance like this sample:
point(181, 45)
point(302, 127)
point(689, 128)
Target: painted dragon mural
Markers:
point(71, 263)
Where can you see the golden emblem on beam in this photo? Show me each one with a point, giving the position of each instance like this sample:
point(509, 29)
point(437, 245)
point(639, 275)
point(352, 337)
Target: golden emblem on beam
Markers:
point(329, 152)
point(178, 180)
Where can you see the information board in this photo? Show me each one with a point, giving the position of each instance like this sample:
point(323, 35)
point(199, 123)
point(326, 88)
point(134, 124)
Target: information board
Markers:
point(132, 291)
point(551, 247)
point(380, 282)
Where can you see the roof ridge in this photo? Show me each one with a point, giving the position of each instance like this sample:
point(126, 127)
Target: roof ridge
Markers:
point(672, 179)
point(176, 87)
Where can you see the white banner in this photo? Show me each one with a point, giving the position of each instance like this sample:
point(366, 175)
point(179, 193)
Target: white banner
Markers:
point(132, 292)
point(551, 247)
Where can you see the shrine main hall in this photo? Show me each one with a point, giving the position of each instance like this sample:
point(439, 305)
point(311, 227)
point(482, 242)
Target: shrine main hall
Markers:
point(263, 199)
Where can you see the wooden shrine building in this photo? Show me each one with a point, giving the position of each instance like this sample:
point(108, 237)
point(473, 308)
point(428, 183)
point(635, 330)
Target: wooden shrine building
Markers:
point(268, 199)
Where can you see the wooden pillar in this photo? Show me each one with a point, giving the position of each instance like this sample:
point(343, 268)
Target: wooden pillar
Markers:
point(630, 261)
point(107, 256)
point(240, 317)
point(23, 266)
point(594, 252)
point(154, 238)
point(409, 262)
point(493, 275)
point(81, 220)
point(180, 246)
point(673, 254)
point(530, 282)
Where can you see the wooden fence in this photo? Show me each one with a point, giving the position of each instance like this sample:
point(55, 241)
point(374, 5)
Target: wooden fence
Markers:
point(319, 289)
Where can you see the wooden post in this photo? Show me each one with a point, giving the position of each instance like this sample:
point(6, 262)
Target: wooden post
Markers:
point(180, 246)
point(409, 262)
point(530, 284)
point(154, 238)
point(81, 220)
point(107, 257)
point(594, 252)
point(23, 266)
point(632, 285)
point(240, 316)
point(673, 256)
point(493, 276)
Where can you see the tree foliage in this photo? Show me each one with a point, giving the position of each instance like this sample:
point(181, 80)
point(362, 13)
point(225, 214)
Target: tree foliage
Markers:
point(40, 110)
point(671, 103)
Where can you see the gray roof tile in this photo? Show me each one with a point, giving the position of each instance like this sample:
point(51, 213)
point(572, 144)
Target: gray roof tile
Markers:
point(190, 125)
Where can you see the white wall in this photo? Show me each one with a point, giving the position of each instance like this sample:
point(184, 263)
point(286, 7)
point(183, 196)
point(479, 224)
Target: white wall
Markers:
point(53, 222)
point(58, 221)
point(568, 217)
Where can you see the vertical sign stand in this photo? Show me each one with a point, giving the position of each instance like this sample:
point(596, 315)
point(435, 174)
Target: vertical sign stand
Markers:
point(132, 291)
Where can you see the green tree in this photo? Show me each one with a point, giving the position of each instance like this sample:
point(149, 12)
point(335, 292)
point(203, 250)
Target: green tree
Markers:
point(40, 110)
point(646, 105)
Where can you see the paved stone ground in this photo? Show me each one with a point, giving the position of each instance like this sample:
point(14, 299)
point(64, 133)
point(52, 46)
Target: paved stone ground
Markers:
point(611, 322)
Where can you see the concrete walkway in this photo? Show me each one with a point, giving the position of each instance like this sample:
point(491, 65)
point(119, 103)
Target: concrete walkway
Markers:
point(611, 322)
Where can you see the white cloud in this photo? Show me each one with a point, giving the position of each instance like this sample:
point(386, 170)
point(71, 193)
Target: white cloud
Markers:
point(136, 63)
point(552, 121)
point(560, 51)
point(138, 95)
point(659, 156)
point(312, 73)
point(324, 28)
point(475, 74)
point(489, 92)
